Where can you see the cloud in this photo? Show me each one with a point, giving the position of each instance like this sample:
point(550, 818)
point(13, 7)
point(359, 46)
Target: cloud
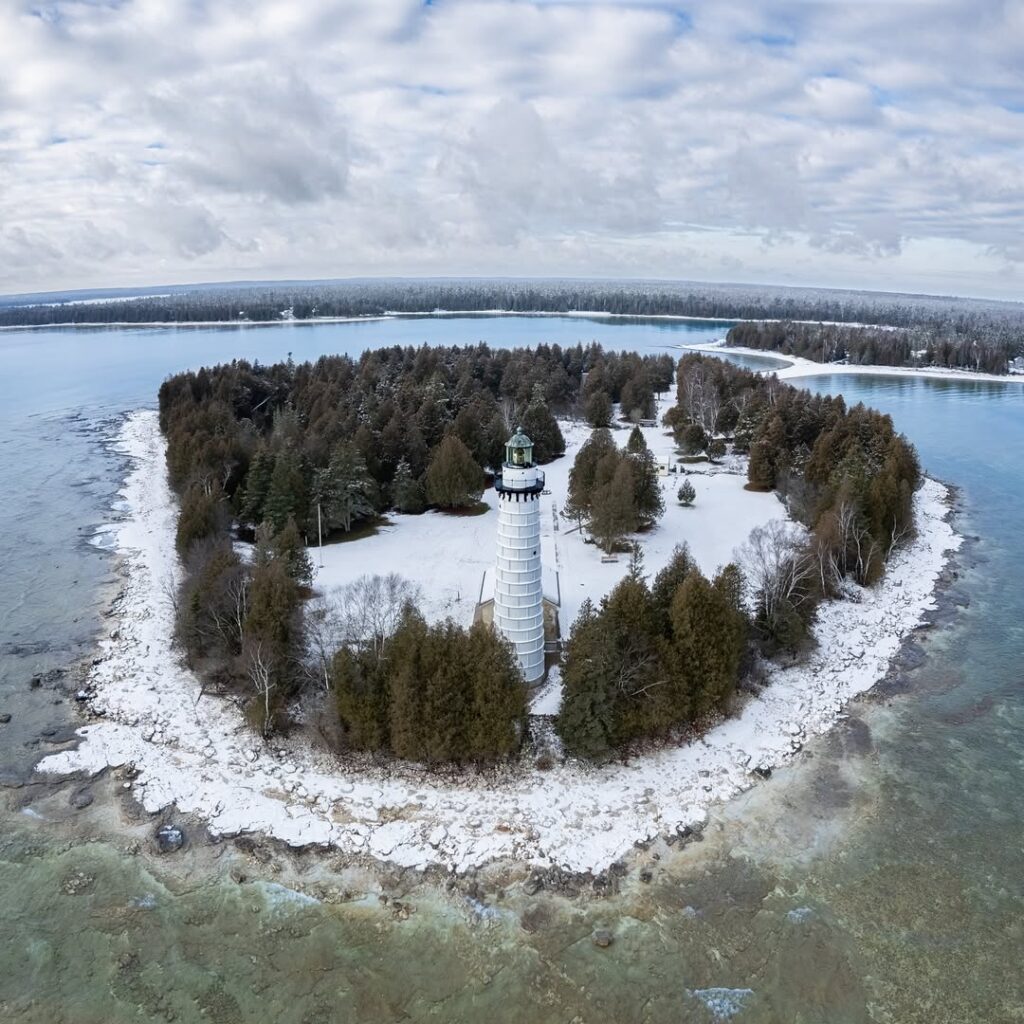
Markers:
point(157, 140)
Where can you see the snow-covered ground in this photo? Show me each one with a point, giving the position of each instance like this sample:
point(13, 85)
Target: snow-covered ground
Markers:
point(195, 751)
point(447, 555)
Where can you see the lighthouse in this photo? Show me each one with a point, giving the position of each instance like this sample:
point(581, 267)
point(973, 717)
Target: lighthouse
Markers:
point(518, 588)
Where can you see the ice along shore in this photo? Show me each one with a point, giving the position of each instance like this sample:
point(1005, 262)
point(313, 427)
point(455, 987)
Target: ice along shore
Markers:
point(194, 750)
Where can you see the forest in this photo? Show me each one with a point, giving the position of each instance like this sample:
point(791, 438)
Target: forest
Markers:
point(877, 346)
point(997, 328)
point(656, 658)
point(276, 454)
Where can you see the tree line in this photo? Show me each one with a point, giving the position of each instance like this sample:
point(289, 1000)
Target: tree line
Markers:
point(989, 322)
point(989, 352)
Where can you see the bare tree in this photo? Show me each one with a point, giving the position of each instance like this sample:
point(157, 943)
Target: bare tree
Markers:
point(325, 633)
point(260, 675)
point(510, 414)
point(776, 561)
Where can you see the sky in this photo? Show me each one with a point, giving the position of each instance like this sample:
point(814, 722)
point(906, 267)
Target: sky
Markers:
point(872, 144)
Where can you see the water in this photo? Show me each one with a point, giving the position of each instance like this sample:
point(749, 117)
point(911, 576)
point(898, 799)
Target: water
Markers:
point(878, 879)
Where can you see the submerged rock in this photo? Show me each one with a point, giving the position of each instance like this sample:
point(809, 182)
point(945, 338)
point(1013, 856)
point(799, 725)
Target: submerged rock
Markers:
point(5, 717)
point(603, 938)
point(169, 838)
point(81, 798)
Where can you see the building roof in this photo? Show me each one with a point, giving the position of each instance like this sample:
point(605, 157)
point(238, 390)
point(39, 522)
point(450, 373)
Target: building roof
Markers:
point(519, 439)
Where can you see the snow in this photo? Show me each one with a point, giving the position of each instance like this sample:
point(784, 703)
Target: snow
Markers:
point(448, 556)
point(195, 751)
point(798, 367)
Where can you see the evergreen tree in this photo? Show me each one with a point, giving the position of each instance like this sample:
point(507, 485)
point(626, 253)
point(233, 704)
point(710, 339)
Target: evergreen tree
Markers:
point(257, 484)
point(636, 442)
point(202, 515)
point(687, 493)
point(345, 489)
point(287, 493)
point(692, 439)
point(583, 473)
point(361, 697)
point(287, 545)
point(453, 479)
point(542, 428)
point(586, 717)
point(716, 449)
point(613, 512)
point(499, 695)
point(647, 496)
point(705, 636)
point(598, 409)
point(407, 492)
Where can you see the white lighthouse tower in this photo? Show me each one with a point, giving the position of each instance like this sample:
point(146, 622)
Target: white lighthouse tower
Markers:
point(518, 589)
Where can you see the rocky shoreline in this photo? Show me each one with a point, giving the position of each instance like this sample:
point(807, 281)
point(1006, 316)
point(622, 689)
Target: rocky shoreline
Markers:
point(591, 823)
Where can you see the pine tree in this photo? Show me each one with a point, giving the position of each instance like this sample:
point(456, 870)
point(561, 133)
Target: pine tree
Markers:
point(287, 494)
point(454, 480)
point(716, 449)
point(287, 545)
point(636, 442)
point(257, 484)
point(407, 492)
point(687, 493)
point(668, 581)
point(345, 489)
point(542, 428)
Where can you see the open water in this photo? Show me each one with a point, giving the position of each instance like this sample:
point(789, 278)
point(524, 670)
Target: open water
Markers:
point(881, 878)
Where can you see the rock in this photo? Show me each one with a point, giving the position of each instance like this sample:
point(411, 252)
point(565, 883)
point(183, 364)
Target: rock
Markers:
point(35, 682)
point(81, 798)
point(763, 771)
point(533, 885)
point(602, 938)
point(169, 838)
point(5, 717)
point(646, 874)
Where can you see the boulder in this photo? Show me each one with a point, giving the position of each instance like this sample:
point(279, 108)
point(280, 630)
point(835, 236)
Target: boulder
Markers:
point(5, 717)
point(169, 838)
point(603, 938)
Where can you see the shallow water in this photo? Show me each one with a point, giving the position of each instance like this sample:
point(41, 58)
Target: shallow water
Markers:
point(877, 879)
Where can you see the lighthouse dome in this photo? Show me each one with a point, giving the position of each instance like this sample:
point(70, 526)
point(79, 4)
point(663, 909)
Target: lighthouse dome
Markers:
point(519, 450)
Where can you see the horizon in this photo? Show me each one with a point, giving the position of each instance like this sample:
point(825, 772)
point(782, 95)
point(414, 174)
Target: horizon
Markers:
point(152, 290)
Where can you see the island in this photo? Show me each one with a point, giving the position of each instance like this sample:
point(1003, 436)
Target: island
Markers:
point(335, 630)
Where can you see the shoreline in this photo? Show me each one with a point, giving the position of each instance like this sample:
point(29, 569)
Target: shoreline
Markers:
point(798, 367)
point(194, 752)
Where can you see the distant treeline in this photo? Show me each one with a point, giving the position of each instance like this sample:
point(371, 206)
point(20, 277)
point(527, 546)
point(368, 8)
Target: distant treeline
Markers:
point(989, 350)
point(286, 450)
point(977, 319)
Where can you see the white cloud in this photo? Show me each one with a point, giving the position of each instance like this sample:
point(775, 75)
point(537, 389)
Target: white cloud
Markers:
point(157, 140)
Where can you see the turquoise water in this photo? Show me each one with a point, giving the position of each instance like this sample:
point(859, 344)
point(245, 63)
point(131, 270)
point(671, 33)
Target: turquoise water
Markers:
point(881, 878)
